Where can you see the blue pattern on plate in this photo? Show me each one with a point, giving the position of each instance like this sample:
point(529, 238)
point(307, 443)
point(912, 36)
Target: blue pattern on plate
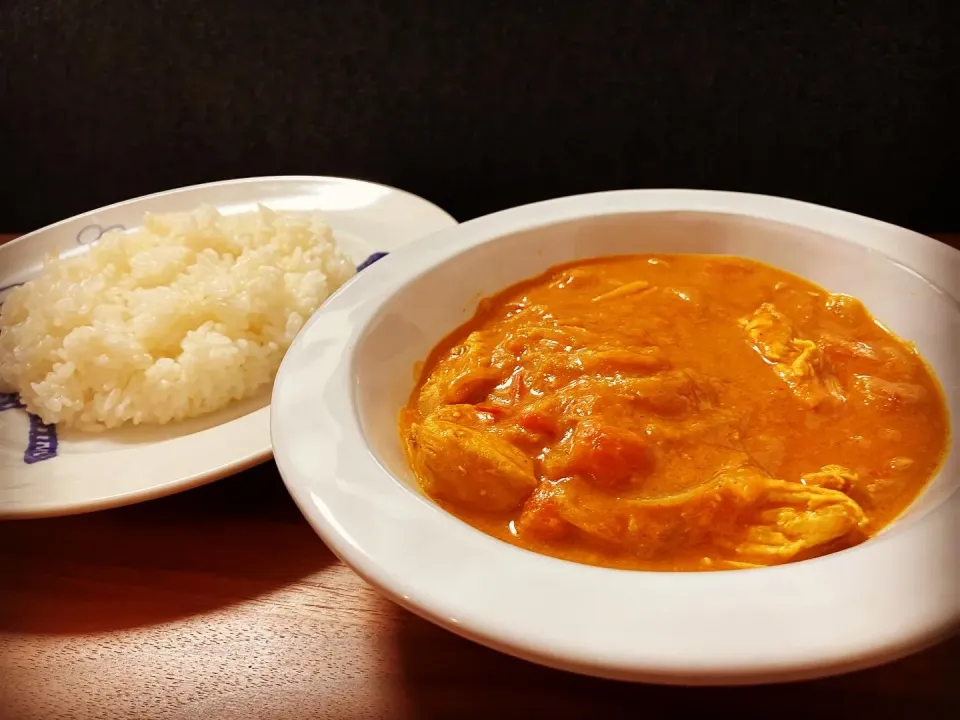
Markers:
point(91, 233)
point(371, 260)
point(42, 438)
point(4, 289)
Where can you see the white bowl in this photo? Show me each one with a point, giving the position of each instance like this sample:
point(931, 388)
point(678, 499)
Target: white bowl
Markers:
point(334, 427)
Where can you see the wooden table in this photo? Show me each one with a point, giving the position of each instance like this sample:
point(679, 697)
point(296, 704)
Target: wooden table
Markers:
point(221, 602)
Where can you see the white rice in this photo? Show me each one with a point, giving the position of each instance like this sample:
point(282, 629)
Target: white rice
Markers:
point(176, 319)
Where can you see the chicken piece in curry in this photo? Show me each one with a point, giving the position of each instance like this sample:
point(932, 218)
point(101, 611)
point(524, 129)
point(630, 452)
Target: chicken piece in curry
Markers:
point(675, 412)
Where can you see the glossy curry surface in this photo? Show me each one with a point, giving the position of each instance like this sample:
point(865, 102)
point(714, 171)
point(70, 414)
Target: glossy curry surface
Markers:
point(675, 412)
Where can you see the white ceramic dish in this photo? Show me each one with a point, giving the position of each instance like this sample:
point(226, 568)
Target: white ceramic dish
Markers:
point(334, 415)
point(42, 474)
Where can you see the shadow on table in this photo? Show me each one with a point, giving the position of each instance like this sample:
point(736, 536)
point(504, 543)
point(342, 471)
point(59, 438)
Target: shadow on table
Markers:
point(446, 676)
point(211, 547)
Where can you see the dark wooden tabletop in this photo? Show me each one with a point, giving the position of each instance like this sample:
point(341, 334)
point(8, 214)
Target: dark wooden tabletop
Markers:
point(221, 602)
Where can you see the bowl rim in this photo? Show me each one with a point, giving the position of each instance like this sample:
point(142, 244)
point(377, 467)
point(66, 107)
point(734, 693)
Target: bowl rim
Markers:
point(694, 628)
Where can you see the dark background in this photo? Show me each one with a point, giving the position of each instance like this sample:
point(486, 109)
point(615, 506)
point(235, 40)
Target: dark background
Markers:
point(482, 105)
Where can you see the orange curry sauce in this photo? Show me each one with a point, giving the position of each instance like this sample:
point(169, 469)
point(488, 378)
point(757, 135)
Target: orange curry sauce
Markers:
point(675, 412)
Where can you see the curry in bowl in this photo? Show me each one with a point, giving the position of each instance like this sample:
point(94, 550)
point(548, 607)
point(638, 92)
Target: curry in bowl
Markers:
point(675, 412)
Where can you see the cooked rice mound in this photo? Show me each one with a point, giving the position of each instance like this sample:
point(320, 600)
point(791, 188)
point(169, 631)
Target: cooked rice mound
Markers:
point(179, 318)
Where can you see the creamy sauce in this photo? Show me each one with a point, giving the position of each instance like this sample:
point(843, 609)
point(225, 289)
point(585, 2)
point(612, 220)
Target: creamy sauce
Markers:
point(675, 412)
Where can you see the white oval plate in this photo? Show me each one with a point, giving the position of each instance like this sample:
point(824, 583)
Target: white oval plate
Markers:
point(334, 424)
point(44, 473)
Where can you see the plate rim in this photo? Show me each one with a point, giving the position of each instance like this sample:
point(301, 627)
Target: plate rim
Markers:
point(340, 532)
point(221, 183)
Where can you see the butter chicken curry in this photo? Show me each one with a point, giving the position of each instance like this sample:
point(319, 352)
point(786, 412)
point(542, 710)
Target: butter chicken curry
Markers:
point(675, 412)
